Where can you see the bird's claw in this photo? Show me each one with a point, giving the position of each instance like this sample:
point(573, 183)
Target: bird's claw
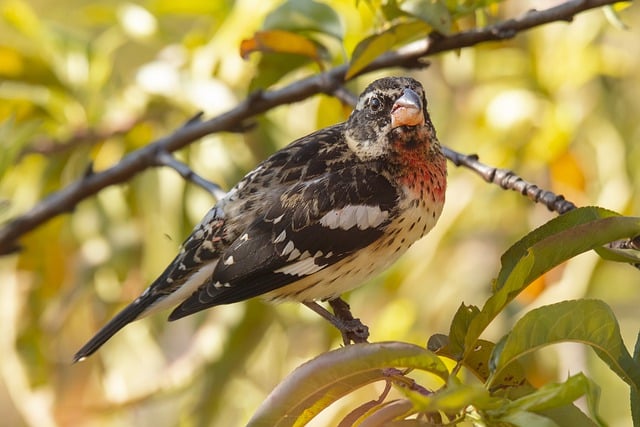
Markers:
point(355, 331)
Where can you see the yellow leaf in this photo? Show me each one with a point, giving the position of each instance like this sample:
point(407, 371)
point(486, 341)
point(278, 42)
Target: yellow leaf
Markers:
point(373, 46)
point(279, 41)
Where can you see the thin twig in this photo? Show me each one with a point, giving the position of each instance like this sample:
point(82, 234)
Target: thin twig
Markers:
point(510, 181)
point(235, 120)
point(164, 158)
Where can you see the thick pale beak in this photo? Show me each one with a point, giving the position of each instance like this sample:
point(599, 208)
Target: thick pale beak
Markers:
point(407, 110)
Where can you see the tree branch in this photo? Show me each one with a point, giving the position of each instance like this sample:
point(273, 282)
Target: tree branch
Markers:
point(259, 102)
point(510, 181)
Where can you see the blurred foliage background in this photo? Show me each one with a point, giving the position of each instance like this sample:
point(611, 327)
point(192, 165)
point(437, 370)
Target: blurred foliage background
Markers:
point(88, 82)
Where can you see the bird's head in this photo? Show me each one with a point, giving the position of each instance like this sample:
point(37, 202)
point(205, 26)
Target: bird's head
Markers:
point(390, 111)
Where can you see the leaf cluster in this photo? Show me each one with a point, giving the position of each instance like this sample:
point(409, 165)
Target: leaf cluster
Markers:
point(290, 38)
point(503, 395)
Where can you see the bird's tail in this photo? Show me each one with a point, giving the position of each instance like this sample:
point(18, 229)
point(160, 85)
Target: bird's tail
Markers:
point(126, 316)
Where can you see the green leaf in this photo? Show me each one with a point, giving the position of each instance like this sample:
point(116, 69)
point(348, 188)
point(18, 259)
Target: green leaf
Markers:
point(460, 8)
point(630, 256)
point(305, 15)
point(635, 395)
point(318, 383)
point(391, 10)
point(280, 41)
point(546, 247)
point(274, 66)
point(31, 69)
point(453, 398)
point(590, 322)
point(286, 41)
point(373, 46)
point(568, 415)
point(459, 327)
point(477, 362)
point(433, 12)
point(528, 419)
point(22, 16)
point(557, 395)
point(564, 223)
point(15, 137)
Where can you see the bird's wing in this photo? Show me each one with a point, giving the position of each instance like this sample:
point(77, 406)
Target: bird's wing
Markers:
point(310, 226)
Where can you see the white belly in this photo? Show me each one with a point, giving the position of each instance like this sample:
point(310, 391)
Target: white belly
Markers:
point(352, 271)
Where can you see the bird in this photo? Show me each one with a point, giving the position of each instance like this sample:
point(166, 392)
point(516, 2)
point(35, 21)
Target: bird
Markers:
point(315, 219)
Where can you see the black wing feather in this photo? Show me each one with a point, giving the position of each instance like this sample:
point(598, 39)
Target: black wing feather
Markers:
point(258, 253)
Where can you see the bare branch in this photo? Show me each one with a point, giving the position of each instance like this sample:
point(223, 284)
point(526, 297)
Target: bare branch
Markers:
point(234, 120)
point(510, 181)
point(164, 158)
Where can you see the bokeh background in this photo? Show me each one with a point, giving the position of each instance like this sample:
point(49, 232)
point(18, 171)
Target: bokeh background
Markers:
point(86, 81)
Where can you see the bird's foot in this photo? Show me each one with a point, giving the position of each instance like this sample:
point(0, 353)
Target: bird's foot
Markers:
point(351, 329)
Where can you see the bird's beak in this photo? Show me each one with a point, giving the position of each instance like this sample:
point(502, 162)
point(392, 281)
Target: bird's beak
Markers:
point(407, 110)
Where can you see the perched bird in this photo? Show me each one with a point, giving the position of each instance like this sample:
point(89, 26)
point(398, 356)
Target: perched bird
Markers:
point(315, 219)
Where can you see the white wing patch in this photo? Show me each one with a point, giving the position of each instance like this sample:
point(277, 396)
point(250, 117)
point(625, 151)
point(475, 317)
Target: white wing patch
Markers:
point(362, 216)
point(184, 291)
point(281, 237)
point(301, 268)
point(290, 246)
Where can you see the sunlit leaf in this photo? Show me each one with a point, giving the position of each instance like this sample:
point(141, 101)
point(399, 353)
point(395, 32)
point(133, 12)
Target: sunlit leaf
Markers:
point(195, 7)
point(546, 247)
point(555, 230)
point(459, 327)
point(453, 398)
point(305, 15)
point(15, 138)
point(568, 415)
point(18, 66)
point(274, 66)
point(433, 12)
point(631, 256)
point(278, 41)
point(323, 380)
point(465, 7)
point(373, 46)
point(556, 395)
point(477, 362)
point(634, 394)
point(528, 419)
point(391, 10)
point(590, 322)
point(21, 16)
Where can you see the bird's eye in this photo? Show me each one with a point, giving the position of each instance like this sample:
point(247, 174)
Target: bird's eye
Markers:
point(375, 104)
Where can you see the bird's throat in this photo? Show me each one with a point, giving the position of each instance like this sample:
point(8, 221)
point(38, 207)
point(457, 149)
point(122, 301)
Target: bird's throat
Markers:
point(423, 167)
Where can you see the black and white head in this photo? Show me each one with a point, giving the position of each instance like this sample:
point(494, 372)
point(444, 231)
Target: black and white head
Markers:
point(388, 108)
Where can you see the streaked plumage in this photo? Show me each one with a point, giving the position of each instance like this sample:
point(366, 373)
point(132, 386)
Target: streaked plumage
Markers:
point(315, 219)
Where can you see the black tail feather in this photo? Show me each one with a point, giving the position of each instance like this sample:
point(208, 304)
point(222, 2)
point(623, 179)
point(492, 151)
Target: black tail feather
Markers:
point(126, 316)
